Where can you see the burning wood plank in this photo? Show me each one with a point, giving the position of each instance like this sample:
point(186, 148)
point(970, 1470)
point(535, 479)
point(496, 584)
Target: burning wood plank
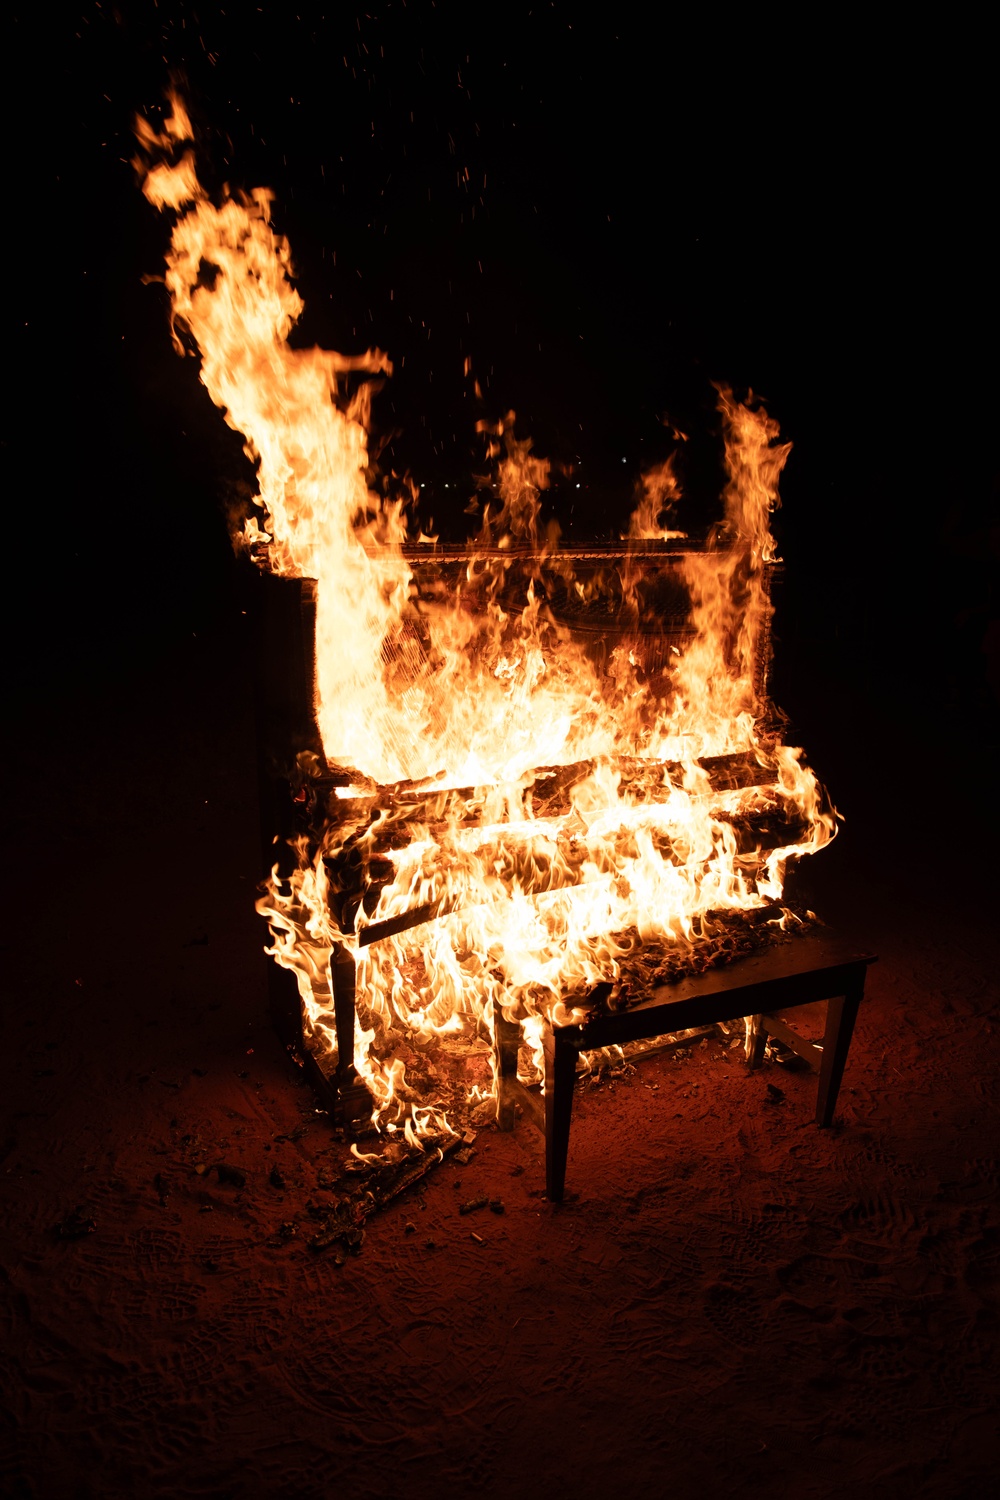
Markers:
point(362, 868)
point(341, 792)
point(564, 860)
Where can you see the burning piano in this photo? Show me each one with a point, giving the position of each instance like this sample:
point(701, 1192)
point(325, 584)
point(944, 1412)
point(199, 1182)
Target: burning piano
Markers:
point(521, 802)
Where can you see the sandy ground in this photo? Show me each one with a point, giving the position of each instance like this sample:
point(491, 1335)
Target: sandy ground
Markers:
point(732, 1302)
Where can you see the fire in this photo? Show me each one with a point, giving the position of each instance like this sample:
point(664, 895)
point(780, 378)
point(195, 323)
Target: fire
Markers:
point(551, 807)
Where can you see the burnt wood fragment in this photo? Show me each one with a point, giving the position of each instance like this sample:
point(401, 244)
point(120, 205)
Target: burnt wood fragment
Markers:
point(380, 1183)
point(415, 917)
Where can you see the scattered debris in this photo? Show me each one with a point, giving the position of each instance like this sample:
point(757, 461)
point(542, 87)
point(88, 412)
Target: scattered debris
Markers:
point(275, 1178)
point(288, 1230)
point(464, 1155)
point(75, 1225)
point(497, 1206)
point(293, 1135)
point(774, 1094)
point(478, 1239)
point(409, 1228)
point(471, 1204)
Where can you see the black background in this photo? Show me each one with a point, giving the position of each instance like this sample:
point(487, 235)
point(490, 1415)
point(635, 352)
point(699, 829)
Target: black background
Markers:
point(604, 213)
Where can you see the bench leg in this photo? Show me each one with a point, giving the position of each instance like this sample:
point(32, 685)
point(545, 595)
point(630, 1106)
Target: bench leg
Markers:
point(840, 1017)
point(758, 1041)
point(560, 1080)
point(506, 1043)
point(354, 1103)
point(344, 978)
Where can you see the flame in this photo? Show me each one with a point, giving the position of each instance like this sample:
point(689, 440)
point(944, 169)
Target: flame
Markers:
point(659, 493)
point(551, 804)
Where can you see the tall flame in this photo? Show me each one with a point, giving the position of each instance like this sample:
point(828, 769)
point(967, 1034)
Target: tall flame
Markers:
point(543, 882)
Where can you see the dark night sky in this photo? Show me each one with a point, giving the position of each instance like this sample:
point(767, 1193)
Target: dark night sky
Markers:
point(604, 214)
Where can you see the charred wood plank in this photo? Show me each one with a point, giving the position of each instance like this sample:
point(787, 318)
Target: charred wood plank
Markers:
point(810, 1052)
point(380, 1183)
point(415, 917)
point(668, 1043)
point(417, 1166)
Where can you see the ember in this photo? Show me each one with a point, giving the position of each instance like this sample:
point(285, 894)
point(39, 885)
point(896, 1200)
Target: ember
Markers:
point(533, 783)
